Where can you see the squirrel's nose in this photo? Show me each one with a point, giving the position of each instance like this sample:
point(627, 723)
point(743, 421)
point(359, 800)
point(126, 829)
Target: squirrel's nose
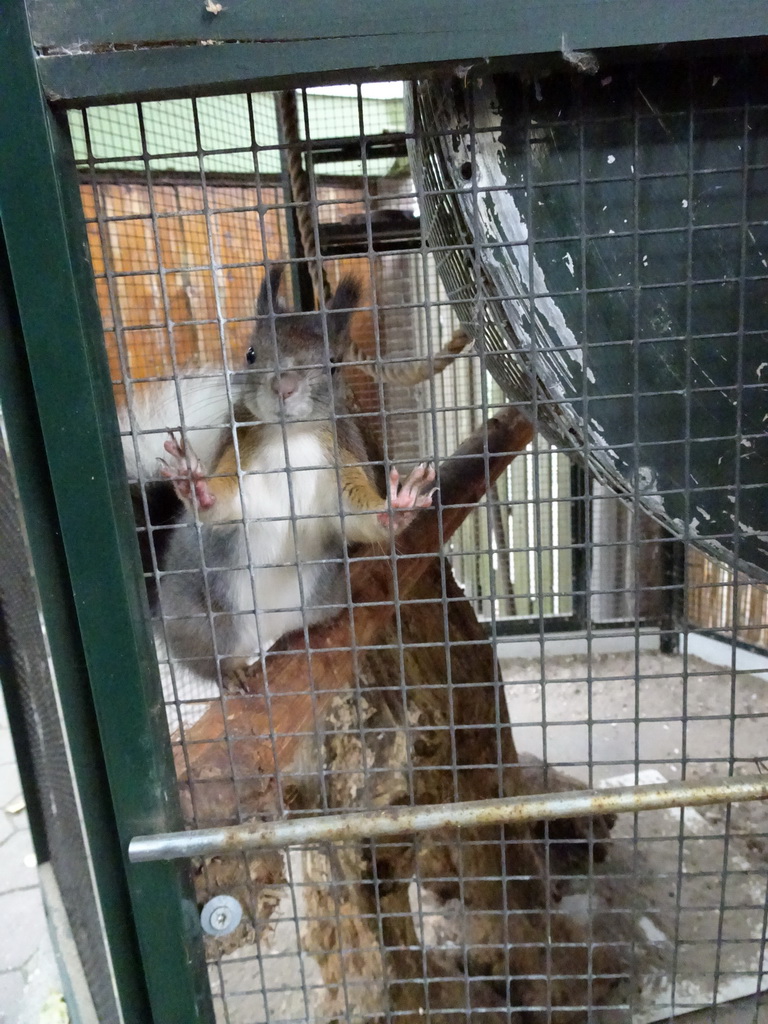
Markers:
point(285, 384)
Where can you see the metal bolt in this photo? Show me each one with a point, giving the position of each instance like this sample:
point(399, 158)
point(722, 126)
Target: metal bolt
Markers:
point(221, 915)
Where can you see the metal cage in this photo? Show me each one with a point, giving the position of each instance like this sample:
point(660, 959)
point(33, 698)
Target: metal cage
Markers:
point(480, 741)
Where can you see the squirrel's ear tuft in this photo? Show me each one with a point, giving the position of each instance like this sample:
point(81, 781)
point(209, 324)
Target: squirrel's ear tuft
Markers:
point(270, 286)
point(343, 304)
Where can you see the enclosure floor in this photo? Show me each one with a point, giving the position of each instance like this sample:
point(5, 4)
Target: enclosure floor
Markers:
point(645, 910)
point(660, 890)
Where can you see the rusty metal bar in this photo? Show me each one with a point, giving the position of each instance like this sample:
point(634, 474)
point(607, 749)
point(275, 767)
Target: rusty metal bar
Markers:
point(394, 821)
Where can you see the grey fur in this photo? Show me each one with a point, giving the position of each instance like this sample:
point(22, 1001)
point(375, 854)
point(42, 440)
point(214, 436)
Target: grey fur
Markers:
point(185, 603)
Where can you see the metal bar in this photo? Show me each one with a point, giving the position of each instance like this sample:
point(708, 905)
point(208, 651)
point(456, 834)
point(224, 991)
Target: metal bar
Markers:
point(10, 681)
point(332, 150)
point(500, 23)
point(581, 510)
point(394, 821)
point(528, 627)
point(673, 557)
point(352, 239)
point(163, 72)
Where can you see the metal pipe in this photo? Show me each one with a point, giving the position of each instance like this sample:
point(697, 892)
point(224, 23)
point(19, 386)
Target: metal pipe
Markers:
point(394, 821)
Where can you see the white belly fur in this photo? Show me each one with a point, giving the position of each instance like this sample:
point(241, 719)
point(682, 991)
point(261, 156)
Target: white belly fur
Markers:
point(281, 548)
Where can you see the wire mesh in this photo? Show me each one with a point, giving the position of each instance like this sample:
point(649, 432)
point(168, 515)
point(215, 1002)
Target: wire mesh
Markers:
point(306, 672)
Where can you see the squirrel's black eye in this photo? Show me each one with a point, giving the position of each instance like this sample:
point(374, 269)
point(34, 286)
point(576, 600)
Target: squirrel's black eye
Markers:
point(250, 356)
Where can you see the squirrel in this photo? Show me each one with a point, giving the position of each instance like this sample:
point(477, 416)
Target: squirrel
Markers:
point(269, 505)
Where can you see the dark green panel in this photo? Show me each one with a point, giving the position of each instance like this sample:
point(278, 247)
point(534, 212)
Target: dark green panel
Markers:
point(77, 713)
point(651, 286)
point(516, 26)
point(48, 252)
point(311, 41)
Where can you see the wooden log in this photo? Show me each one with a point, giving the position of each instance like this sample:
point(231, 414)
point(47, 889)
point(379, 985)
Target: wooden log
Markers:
point(432, 688)
point(432, 668)
point(229, 759)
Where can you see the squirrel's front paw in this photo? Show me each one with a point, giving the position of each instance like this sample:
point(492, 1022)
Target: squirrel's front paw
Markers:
point(186, 471)
point(406, 499)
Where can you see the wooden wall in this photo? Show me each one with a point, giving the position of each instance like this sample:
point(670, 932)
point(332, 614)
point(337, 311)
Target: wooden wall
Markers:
point(714, 603)
point(178, 268)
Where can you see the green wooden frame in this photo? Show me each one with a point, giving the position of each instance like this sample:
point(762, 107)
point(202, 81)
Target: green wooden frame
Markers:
point(17, 401)
point(84, 549)
point(54, 382)
point(96, 50)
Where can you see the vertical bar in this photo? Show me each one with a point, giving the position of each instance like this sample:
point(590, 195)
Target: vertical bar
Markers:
point(673, 582)
point(47, 247)
point(580, 486)
point(25, 440)
point(11, 686)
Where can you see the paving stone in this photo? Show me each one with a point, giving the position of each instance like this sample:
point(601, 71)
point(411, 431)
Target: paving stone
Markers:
point(41, 1001)
point(23, 927)
point(7, 753)
point(6, 829)
point(10, 786)
point(14, 873)
point(19, 822)
point(11, 988)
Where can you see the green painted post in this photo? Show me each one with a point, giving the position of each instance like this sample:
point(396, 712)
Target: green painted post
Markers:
point(25, 439)
point(308, 42)
point(91, 525)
